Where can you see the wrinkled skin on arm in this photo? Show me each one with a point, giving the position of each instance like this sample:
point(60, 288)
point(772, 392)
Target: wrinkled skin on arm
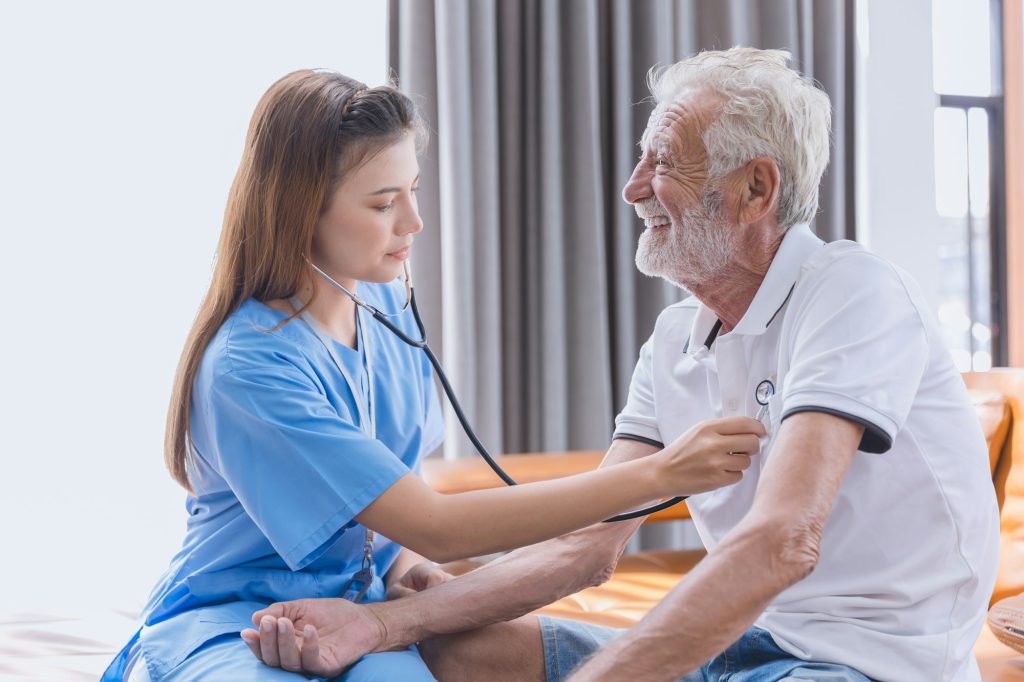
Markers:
point(775, 545)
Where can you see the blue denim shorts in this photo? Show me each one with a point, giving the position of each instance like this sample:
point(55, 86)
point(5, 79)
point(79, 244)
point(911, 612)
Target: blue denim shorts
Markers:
point(754, 657)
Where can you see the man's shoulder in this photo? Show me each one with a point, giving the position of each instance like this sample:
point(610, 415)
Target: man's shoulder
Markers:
point(847, 262)
point(847, 284)
point(677, 318)
point(844, 268)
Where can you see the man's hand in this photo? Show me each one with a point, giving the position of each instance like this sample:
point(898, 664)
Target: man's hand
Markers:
point(316, 636)
point(420, 577)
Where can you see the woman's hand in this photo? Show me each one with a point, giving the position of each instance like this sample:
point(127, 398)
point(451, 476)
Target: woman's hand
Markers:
point(710, 455)
point(420, 577)
point(316, 636)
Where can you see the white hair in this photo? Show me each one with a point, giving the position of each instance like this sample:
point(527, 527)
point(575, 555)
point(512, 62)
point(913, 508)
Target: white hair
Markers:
point(768, 110)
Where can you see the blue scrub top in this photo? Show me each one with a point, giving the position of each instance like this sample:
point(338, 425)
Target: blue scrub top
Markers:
point(282, 467)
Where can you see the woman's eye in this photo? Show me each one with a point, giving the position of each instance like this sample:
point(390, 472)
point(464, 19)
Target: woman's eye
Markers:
point(385, 208)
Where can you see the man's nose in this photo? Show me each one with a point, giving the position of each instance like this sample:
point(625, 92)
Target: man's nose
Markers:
point(638, 187)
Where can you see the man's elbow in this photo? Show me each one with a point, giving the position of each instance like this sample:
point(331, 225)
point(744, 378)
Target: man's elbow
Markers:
point(593, 563)
point(794, 549)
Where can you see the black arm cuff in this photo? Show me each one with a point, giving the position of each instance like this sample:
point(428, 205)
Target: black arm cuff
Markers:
point(875, 440)
point(639, 439)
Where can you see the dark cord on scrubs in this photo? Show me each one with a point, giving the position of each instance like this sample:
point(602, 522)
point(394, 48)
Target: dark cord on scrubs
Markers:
point(464, 421)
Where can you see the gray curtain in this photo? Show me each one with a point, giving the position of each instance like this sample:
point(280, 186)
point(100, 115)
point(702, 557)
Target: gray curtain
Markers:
point(525, 269)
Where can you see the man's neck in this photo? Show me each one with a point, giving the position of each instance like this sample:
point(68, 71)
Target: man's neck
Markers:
point(729, 297)
point(730, 294)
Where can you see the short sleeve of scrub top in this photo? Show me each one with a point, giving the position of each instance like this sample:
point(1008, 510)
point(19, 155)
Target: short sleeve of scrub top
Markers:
point(299, 470)
point(858, 349)
point(637, 420)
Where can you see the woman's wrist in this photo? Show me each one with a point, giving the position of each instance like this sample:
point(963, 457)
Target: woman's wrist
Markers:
point(656, 475)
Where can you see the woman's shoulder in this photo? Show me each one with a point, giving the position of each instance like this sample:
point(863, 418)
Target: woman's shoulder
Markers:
point(255, 336)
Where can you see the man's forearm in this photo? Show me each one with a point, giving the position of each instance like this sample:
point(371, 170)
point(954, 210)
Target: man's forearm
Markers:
point(508, 587)
point(773, 547)
point(719, 600)
point(517, 583)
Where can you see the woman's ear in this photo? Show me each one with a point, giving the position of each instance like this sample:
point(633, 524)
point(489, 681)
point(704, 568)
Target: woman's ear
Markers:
point(761, 190)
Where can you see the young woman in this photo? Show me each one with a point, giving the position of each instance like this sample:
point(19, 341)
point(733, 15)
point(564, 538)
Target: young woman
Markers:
point(297, 422)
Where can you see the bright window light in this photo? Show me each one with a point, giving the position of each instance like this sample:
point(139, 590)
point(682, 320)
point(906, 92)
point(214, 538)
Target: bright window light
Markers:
point(950, 162)
point(962, 47)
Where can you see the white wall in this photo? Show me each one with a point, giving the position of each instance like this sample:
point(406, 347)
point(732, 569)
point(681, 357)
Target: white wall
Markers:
point(896, 213)
point(120, 132)
point(121, 127)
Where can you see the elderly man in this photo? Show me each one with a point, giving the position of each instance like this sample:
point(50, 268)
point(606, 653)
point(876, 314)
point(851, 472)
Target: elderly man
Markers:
point(861, 544)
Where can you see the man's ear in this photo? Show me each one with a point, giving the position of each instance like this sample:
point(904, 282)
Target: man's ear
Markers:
point(760, 190)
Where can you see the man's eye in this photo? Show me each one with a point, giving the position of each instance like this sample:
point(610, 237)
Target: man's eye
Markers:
point(661, 161)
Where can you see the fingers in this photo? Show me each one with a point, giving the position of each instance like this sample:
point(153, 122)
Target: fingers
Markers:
point(730, 426)
point(268, 641)
point(252, 640)
point(747, 444)
point(437, 577)
point(423, 576)
point(287, 645)
point(311, 650)
point(737, 463)
point(397, 591)
point(274, 610)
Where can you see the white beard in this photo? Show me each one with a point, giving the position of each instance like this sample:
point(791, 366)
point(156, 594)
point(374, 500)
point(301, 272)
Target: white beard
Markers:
point(695, 250)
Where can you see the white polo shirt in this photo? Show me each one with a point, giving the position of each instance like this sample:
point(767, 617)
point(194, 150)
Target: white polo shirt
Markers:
point(909, 553)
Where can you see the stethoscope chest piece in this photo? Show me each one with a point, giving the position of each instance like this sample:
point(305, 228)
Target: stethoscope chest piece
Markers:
point(765, 391)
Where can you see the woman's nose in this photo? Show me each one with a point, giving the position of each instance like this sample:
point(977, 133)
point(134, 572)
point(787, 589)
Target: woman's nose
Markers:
point(411, 222)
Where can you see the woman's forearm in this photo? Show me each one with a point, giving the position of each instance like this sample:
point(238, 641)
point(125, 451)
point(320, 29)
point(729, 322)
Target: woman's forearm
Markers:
point(500, 519)
point(516, 583)
point(447, 527)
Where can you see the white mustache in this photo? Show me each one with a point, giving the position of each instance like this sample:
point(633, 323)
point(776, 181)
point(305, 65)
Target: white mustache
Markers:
point(649, 208)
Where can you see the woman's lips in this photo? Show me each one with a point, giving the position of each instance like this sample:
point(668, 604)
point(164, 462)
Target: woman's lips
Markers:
point(401, 254)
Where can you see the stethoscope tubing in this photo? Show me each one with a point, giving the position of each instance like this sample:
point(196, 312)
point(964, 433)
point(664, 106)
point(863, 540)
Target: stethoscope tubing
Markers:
point(461, 415)
point(450, 392)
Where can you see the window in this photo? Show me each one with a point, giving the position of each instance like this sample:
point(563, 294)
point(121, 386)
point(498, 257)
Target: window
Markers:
point(969, 179)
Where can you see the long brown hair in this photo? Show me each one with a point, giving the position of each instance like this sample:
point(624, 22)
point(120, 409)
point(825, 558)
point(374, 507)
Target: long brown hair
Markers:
point(308, 129)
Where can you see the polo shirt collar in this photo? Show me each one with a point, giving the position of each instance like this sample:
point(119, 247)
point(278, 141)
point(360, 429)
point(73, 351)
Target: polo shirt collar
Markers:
point(798, 244)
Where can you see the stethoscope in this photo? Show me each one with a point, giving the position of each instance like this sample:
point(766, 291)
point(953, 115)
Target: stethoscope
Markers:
point(410, 301)
point(763, 395)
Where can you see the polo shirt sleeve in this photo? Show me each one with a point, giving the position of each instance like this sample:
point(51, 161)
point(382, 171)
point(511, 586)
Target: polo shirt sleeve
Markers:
point(637, 420)
point(299, 469)
point(858, 348)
